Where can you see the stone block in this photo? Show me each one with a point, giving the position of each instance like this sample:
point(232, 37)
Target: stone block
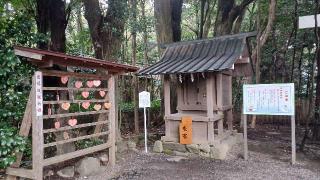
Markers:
point(174, 146)
point(67, 172)
point(193, 148)
point(88, 166)
point(204, 148)
point(157, 147)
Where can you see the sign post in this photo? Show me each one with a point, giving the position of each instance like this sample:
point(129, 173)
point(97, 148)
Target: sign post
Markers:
point(144, 102)
point(269, 99)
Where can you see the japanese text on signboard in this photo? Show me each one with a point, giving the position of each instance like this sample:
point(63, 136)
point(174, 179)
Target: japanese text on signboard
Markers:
point(268, 99)
point(39, 105)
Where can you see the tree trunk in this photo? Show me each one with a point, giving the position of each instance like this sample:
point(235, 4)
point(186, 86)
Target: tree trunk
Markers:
point(106, 30)
point(228, 12)
point(42, 19)
point(133, 4)
point(58, 24)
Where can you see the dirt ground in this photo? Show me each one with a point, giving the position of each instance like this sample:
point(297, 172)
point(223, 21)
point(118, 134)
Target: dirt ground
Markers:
point(269, 158)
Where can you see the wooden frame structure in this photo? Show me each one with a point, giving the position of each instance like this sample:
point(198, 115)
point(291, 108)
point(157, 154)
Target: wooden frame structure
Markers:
point(35, 116)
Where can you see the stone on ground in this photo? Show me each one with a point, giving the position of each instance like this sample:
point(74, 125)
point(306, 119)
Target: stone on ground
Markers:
point(121, 146)
point(174, 146)
point(67, 172)
point(204, 148)
point(177, 153)
point(132, 145)
point(157, 147)
point(193, 148)
point(104, 159)
point(88, 166)
point(219, 151)
point(176, 159)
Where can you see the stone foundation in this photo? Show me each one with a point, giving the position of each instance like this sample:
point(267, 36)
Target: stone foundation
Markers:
point(218, 150)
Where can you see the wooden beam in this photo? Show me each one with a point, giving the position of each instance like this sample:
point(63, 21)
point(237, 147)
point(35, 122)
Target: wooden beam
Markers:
point(53, 116)
point(112, 120)
point(75, 101)
point(27, 54)
point(210, 105)
point(75, 139)
point(73, 89)
point(75, 154)
point(75, 127)
point(73, 74)
point(19, 172)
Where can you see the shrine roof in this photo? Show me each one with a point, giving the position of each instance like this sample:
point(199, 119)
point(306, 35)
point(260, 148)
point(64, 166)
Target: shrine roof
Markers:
point(207, 55)
point(45, 58)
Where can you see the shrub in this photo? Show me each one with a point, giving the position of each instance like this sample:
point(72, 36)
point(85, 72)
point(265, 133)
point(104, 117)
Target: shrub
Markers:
point(11, 143)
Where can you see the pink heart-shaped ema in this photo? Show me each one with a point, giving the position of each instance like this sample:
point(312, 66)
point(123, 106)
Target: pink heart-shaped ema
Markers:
point(78, 84)
point(85, 105)
point(96, 83)
point(72, 122)
point(57, 125)
point(97, 107)
point(90, 84)
point(64, 79)
point(85, 94)
point(107, 105)
point(102, 93)
point(65, 105)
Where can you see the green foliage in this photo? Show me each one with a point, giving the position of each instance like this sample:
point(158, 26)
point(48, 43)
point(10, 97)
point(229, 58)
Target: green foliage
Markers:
point(129, 107)
point(10, 144)
point(87, 143)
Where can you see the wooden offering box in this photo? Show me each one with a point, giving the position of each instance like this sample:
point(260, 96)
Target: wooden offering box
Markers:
point(202, 72)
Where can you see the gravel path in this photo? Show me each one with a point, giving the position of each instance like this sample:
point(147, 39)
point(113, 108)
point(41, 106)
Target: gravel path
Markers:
point(137, 165)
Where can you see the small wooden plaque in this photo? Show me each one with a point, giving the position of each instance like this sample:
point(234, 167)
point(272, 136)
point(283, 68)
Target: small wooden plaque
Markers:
point(185, 130)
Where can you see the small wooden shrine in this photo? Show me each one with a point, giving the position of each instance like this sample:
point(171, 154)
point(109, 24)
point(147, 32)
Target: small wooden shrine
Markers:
point(57, 110)
point(202, 72)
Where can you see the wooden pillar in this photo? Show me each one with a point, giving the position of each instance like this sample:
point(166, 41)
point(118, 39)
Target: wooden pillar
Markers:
point(37, 136)
point(112, 119)
point(210, 105)
point(167, 109)
point(220, 102)
point(229, 114)
point(166, 88)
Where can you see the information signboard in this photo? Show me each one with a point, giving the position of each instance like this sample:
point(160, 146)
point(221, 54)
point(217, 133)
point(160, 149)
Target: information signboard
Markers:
point(144, 99)
point(269, 99)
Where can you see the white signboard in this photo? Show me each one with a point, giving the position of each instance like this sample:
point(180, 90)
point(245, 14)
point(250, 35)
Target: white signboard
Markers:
point(308, 21)
point(269, 99)
point(144, 99)
point(39, 96)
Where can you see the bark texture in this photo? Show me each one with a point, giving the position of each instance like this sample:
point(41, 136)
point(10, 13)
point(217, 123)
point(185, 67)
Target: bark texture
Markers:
point(106, 29)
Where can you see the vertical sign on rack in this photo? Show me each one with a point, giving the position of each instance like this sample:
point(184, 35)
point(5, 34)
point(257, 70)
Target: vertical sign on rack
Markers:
point(144, 102)
point(39, 96)
point(269, 99)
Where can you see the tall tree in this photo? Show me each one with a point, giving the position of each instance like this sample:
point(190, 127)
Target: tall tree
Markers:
point(228, 12)
point(106, 28)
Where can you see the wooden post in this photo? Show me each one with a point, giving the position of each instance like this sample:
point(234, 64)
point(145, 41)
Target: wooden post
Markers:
point(293, 137)
point(219, 102)
point(112, 120)
point(37, 135)
point(210, 105)
point(166, 84)
point(245, 137)
point(229, 112)
point(167, 106)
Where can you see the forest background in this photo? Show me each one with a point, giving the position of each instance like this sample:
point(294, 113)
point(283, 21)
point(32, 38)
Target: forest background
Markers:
point(133, 32)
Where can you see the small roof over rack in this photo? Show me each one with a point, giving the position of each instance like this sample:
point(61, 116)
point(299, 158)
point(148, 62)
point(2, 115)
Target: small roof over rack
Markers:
point(207, 55)
point(46, 59)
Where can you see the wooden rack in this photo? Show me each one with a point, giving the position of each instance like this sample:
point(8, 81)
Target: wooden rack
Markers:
point(34, 119)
